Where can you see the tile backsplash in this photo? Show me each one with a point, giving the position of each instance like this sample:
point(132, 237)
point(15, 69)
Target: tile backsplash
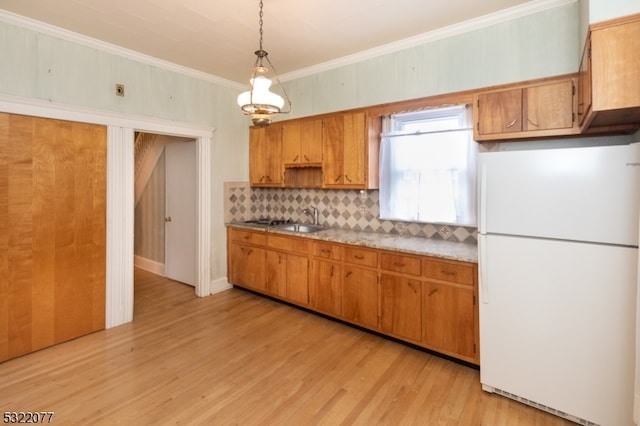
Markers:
point(347, 209)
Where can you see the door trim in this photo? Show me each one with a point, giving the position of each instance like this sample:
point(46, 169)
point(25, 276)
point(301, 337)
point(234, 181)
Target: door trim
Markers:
point(120, 192)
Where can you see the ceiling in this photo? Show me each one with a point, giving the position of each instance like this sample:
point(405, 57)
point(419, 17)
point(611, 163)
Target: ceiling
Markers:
point(218, 37)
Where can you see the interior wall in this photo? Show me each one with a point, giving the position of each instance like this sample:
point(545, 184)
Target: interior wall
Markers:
point(63, 71)
point(539, 45)
point(149, 226)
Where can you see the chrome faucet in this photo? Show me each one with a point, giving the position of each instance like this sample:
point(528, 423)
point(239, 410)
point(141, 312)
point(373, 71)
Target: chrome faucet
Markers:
point(314, 214)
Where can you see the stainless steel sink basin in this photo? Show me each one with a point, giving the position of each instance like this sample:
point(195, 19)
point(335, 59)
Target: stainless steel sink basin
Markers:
point(302, 228)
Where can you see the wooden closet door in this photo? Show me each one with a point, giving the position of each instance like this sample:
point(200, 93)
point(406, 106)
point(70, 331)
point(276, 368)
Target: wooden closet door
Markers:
point(52, 232)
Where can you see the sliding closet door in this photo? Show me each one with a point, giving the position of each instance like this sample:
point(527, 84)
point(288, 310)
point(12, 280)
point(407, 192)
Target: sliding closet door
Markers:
point(52, 232)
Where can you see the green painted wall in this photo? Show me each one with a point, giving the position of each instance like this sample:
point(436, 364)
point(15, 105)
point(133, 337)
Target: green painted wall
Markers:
point(39, 66)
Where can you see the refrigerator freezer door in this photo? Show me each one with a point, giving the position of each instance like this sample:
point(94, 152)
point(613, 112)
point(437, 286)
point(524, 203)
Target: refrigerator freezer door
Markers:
point(581, 194)
point(557, 325)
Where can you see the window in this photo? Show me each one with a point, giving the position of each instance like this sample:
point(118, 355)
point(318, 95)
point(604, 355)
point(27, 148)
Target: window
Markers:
point(427, 167)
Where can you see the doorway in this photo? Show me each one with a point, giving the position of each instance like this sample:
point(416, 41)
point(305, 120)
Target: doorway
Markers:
point(120, 197)
point(165, 206)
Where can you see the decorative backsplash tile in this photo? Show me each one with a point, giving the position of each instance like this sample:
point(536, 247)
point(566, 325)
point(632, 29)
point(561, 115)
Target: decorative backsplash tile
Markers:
point(347, 209)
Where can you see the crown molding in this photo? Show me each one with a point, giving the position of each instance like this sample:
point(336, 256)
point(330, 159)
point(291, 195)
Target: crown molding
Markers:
point(505, 15)
point(41, 27)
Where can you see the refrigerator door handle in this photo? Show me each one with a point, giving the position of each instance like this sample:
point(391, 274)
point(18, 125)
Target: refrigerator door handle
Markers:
point(482, 199)
point(482, 265)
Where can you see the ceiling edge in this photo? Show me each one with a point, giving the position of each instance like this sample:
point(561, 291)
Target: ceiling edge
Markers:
point(505, 15)
point(51, 30)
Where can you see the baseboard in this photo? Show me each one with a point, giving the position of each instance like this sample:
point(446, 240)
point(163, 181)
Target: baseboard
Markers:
point(149, 265)
point(221, 284)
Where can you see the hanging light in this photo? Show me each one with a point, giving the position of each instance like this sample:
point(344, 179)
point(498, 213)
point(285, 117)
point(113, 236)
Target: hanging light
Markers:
point(259, 101)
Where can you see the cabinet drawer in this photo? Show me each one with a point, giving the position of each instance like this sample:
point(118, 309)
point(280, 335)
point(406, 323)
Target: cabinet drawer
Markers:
point(460, 273)
point(249, 237)
point(297, 245)
point(400, 263)
point(327, 251)
point(361, 256)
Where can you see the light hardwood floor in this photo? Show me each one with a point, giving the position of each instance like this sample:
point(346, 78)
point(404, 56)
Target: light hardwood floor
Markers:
point(236, 358)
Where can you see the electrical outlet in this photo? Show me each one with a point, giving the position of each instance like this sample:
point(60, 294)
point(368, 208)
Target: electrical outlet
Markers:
point(119, 89)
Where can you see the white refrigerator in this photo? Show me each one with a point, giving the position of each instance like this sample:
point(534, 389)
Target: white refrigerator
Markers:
point(558, 266)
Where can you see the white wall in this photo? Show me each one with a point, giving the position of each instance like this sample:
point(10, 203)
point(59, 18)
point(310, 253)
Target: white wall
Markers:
point(62, 70)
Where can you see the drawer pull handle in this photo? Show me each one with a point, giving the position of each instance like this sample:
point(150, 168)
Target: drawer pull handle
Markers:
point(447, 273)
point(325, 251)
point(512, 123)
point(399, 264)
point(348, 274)
point(296, 158)
point(432, 292)
point(338, 178)
point(359, 257)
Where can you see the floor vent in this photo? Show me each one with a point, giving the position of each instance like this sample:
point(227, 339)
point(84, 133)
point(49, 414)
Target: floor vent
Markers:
point(542, 407)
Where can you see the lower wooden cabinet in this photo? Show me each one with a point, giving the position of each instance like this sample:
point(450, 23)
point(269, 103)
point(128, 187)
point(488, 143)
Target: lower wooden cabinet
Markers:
point(423, 300)
point(401, 306)
point(325, 287)
point(360, 296)
point(449, 313)
point(247, 266)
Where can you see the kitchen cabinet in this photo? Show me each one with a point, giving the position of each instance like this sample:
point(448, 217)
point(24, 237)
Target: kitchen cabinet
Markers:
point(350, 151)
point(427, 301)
point(360, 287)
point(609, 77)
point(287, 268)
point(449, 308)
point(302, 143)
point(265, 156)
point(401, 295)
point(246, 259)
point(539, 109)
point(325, 285)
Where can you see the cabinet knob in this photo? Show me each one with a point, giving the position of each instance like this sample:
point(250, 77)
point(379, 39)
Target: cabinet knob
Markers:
point(167, 219)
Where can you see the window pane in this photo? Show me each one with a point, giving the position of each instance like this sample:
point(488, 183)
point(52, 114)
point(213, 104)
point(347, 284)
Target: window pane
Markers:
point(429, 177)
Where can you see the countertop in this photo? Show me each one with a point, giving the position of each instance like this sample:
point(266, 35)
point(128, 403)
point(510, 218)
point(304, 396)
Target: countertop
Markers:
point(413, 245)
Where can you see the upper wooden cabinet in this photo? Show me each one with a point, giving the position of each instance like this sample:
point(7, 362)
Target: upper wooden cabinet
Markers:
point(609, 89)
point(302, 143)
point(539, 109)
point(350, 151)
point(265, 156)
point(337, 150)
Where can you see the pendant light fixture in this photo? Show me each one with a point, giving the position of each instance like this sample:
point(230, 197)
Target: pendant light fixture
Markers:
point(259, 101)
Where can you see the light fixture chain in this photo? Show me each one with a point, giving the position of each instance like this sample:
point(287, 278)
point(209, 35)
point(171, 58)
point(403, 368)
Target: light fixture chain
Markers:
point(260, 24)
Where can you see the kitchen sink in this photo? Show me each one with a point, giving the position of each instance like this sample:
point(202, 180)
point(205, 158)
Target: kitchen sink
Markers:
point(302, 228)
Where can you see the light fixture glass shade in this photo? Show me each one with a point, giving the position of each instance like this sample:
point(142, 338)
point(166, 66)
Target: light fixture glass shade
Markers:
point(260, 99)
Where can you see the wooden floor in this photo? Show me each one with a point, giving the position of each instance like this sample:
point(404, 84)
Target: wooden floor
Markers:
point(240, 359)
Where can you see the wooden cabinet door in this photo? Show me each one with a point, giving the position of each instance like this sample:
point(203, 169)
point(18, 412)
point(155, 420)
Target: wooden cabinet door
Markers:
point(302, 143)
point(325, 287)
point(247, 266)
point(311, 141)
point(276, 273)
point(615, 62)
point(345, 150)
point(287, 276)
point(449, 313)
point(332, 151)
point(265, 156)
point(354, 149)
point(549, 106)
point(500, 112)
point(360, 296)
point(401, 303)
point(298, 279)
point(52, 232)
